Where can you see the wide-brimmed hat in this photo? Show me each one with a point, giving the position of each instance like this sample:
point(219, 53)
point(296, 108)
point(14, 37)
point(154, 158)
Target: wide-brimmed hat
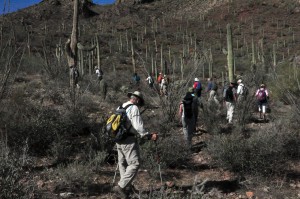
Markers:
point(196, 79)
point(137, 94)
point(262, 85)
point(239, 81)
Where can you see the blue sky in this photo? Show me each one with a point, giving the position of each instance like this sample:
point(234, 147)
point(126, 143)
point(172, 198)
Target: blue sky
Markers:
point(14, 5)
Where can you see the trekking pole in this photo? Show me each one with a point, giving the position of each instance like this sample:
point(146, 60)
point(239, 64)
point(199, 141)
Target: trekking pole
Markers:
point(114, 179)
point(158, 162)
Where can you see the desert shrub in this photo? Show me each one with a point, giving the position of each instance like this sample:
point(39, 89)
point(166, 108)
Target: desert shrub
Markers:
point(163, 154)
point(12, 174)
point(26, 119)
point(264, 152)
point(86, 103)
point(117, 80)
point(32, 64)
point(97, 159)
point(285, 82)
point(76, 176)
point(210, 115)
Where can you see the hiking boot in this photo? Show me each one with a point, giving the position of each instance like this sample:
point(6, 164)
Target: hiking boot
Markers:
point(131, 189)
point(120, 192)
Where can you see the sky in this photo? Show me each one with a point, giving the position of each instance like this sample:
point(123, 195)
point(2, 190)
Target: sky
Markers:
point(14, 5)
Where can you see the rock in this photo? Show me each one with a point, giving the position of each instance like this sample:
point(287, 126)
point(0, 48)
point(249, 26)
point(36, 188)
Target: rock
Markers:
point(40, 183)
point(293, 185)
point(266, 189)
point(66, 195)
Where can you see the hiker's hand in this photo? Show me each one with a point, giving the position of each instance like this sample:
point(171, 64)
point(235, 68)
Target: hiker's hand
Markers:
point(154, 136)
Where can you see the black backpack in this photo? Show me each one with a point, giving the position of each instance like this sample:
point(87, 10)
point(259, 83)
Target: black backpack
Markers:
point(229, 95)
point(188, 108)
point(116, 128)
point(245, 90)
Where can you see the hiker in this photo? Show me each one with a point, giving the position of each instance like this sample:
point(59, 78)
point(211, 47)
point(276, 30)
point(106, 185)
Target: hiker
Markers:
point(74, 76)
point(209, 85)
point(99, 74)
point(103, 88)
point(262, 97)
point(240, 90)
point(212, 88)
point(230, 99)
point(196, 105)
point(136, 79)
point(159, 78)
point(150, 81)
point(128, 150)
point(197, 87)
point(187, 117)
point(163, 86)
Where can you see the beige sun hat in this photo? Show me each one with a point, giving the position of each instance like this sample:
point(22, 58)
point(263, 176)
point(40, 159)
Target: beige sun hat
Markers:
point(239, 81)
point(137, 94)
point(196, 79)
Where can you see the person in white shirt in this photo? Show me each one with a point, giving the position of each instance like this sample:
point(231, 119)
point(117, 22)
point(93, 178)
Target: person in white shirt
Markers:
point(150, 81)
point(240, 90)
point(128, 149)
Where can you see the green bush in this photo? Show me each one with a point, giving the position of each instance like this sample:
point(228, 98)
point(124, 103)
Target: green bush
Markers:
point(163, 154)
point(12, 174)
point(25, 119)
point(263, 153)
point(76, 176)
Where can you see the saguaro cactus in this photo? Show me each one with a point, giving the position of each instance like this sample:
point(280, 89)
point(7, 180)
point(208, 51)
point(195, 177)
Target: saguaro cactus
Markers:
point(229, 53)
point(71, 47)
point(132, 55)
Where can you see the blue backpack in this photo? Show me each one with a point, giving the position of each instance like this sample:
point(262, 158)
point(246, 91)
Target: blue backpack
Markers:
point(199, 87)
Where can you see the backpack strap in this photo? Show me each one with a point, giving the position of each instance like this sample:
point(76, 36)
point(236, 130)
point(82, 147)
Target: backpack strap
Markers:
point(127, 106)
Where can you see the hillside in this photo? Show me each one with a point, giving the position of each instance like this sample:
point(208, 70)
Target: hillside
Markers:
point(52, 143)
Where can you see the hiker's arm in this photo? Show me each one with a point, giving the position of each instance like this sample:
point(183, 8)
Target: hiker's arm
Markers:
point(267, 93)
point(180, 112)
point(137, 122)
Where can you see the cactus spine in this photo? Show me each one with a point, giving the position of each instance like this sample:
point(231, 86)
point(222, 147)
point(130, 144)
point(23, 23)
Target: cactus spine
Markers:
point(230, 53)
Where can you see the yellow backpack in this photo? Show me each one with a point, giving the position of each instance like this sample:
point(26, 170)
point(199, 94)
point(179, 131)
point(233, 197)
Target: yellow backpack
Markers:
point(116, 124)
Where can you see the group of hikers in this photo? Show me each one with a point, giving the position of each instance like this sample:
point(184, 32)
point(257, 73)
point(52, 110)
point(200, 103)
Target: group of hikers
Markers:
point(233, 95)
point(127, 148)
point(162, 82)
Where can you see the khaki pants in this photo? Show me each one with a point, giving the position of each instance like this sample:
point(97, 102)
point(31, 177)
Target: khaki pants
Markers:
point(230, 110)
point(128, 160)
point(213, 98)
